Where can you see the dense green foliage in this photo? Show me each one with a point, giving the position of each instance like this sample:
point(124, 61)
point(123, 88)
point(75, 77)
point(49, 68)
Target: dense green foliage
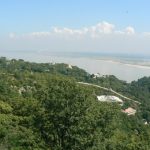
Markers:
point(42, 107)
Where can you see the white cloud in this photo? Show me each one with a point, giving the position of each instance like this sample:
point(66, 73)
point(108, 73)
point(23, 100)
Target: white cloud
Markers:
point(38, 34)
point(130, 30)
point(103, 36)
point(68, 31)
point(93, 31)
point(102, 28)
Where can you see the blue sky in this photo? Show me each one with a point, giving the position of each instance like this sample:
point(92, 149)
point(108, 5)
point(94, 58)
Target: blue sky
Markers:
point(24, 22)
point(39, 15)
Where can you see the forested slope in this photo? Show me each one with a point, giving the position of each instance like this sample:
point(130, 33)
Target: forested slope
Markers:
point(43, 107)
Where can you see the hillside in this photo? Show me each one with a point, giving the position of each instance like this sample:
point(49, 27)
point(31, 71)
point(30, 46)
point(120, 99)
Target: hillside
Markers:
point(43, 107)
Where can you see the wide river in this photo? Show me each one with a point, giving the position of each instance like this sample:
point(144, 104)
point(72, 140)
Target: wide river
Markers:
point(123, 71)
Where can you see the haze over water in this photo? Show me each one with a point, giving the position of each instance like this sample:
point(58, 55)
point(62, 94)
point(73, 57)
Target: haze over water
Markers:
point(122, 66)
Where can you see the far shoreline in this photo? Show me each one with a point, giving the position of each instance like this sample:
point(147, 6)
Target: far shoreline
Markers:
point(124, 63)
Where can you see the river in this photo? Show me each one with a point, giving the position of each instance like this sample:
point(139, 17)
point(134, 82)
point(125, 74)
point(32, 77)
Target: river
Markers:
point(124, 71)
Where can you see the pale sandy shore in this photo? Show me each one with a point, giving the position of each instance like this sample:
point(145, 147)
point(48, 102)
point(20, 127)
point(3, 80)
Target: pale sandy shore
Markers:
point(141, 66)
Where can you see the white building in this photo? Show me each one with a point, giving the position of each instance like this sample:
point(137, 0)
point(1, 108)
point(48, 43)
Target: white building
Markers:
point(109, 98)
point(98, 75)
point(69, 66)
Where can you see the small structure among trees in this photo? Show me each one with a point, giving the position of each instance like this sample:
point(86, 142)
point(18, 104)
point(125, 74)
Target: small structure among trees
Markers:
point(109, 98)
point(129, 111)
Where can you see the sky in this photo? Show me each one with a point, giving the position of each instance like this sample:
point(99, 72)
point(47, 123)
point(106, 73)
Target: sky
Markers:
point(75, 26)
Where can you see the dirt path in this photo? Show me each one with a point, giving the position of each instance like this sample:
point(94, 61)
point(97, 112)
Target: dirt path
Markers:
point(107, 89)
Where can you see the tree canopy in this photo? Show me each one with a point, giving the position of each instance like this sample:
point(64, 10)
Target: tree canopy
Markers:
point(43, 107)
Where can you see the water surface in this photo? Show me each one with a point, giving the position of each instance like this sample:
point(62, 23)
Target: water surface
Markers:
point(124, 68)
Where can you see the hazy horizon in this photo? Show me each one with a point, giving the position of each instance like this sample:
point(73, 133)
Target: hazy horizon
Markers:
point(79, 26)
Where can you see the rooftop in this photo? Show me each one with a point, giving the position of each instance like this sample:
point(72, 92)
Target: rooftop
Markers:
point(129, 111)
point(109, 98)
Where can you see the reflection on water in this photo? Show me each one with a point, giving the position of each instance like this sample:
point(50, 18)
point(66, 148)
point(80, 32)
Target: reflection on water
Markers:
point(103, 66)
